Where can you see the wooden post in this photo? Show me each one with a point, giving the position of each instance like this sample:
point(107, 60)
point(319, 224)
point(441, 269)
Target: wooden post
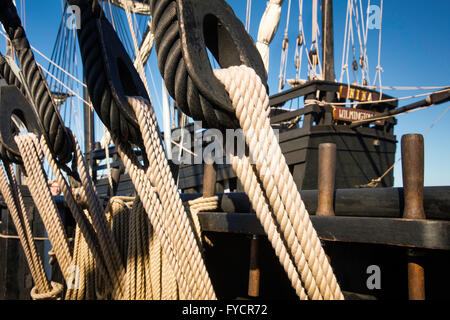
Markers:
point(209, 180)
point(413, 180)
point(326, 181)
point(254, 272)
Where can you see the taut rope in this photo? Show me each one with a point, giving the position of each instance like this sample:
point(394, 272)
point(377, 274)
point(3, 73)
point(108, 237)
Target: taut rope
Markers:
point(159, 195)
point(251, 103)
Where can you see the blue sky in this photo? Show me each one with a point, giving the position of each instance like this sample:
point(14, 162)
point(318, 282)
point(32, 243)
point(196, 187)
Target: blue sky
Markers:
point(415, 52)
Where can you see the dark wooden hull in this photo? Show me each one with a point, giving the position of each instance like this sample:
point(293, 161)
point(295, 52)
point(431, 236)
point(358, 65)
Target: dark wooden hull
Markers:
point(362, 155)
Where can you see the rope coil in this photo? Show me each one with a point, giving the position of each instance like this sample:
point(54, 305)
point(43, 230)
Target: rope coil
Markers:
point(54, 294)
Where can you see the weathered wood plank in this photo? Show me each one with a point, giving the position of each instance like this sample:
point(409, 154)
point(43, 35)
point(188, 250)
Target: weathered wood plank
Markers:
point(426, 234)
point(368, 202)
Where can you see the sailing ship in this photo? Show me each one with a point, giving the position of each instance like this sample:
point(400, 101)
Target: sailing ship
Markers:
point(358, 118)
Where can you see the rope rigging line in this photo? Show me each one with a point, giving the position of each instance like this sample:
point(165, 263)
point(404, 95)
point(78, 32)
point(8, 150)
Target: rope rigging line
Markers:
point(138, 58)
point(344, 63)
point(365, 30)
point(313, 54)
point(50, 61)
point(299, 43)
point(248, 15)
point(355, 15)
point(166, 213)
point(250, 100)
point(379, 68)
point(284, 51)
point(375, 182)
point(323, 103)
point(14, 201)
point(360, 41)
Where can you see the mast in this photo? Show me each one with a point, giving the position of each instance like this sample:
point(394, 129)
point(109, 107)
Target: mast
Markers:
point(89, 134)
point(328, 40)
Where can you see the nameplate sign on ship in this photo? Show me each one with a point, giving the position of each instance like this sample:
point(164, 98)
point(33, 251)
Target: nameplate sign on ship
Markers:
point(351, 93)
point(351, 115)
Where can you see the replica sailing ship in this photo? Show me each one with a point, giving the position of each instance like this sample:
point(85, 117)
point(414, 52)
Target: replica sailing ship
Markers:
point(356, 118)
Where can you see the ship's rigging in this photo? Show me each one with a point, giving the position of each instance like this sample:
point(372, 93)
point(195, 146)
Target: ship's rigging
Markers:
point(132, 20)
point(348, 113)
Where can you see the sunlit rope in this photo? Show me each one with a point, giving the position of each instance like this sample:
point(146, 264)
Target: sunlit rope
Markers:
point(248, 15)
point(284, 51)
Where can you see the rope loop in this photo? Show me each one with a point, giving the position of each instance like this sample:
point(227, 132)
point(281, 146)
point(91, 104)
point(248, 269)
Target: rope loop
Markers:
point(54, 294)
point(202, 204)
point(184, 29)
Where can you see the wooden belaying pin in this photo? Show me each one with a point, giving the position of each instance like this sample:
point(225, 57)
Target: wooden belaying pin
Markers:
point(254, 272)
point(413, 181)
point(326, 181)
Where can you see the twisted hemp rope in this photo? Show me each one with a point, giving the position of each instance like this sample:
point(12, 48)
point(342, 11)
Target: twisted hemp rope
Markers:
point(32, 158)
point(289, 225)
point(14, 201)
point(199, 205)
point(159, 195)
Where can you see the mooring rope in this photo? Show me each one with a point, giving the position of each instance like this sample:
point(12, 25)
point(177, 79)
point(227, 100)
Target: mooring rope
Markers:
point(251, 103)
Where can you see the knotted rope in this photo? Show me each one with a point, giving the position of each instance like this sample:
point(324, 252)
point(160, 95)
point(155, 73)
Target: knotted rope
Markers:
point(54, 294)
point(276, 199)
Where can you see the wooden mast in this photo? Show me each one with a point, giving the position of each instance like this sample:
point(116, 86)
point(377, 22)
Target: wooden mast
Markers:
point(328, 54)
point(328, 40)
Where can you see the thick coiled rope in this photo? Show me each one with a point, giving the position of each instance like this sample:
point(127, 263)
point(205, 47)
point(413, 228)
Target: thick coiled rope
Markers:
point(105, 103)
point(172, 67)
point(149, 276)
point(11, 79)
point(9, 76)
point(55, 131)
point(251, 102)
